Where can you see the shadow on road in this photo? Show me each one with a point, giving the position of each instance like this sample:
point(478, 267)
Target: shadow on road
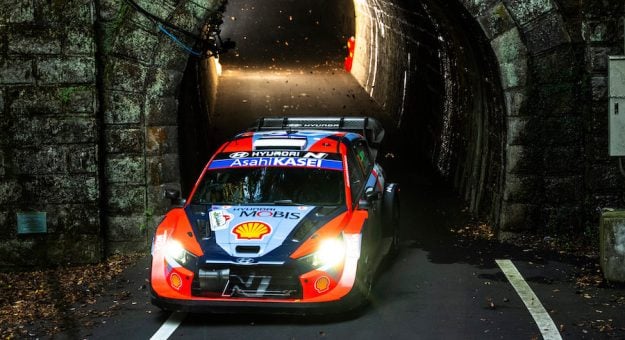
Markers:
point(433, 219)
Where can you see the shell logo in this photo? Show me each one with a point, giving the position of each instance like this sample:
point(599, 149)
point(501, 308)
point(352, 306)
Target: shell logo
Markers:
point(322, 284)
point(251, 230)
point(176, 281)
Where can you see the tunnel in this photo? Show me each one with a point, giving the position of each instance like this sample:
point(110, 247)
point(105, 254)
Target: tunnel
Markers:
point(424, 68)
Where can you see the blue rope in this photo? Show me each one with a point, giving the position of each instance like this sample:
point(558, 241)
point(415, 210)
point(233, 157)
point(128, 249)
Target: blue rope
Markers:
point(178, 42)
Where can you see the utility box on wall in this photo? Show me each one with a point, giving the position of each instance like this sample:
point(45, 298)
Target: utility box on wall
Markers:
point(616, 109)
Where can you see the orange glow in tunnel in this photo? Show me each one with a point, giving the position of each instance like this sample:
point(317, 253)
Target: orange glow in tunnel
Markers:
point(351, 47)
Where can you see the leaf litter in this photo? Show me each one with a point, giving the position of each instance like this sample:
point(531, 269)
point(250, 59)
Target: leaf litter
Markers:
point(44, 302)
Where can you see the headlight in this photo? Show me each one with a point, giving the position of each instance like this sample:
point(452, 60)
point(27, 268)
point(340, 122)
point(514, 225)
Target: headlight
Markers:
point(176, 251)
point(331, 252)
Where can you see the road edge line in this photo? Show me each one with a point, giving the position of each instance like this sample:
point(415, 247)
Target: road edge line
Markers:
point(169, 326)
point(542, 318)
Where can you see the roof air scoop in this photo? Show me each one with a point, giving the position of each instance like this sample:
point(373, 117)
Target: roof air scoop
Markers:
point(280, 143)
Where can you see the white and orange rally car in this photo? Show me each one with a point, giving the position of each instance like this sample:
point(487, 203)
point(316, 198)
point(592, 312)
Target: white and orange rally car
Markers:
point(292, 216)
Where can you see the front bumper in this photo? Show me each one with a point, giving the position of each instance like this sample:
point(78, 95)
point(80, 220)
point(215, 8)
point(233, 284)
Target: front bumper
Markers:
point(340, 296)
point(277, 289)
point(352, 301)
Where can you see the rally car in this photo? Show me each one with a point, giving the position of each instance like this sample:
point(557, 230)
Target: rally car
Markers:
point(292, 215)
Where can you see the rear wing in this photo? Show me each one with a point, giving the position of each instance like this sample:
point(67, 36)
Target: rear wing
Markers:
point(369, 128)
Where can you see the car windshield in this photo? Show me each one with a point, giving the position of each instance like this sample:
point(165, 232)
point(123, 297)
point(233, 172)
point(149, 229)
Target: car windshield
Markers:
point(271, 185)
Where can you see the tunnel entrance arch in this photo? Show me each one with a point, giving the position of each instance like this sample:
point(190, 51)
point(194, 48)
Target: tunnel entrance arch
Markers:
point(460, 72)
point(142, 73)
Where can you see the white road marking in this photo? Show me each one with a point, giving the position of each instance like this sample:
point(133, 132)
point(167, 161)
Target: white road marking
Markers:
point(169, 327)
point(543, 320)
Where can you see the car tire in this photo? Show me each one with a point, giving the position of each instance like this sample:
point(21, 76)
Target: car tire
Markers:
point(392, 214)
point(364, 283)
point(396, 229)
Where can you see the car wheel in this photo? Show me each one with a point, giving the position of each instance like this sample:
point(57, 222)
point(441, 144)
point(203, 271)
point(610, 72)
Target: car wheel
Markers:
point(364, 282)
point(391, 214)
point(396, 228)
point(365, 286)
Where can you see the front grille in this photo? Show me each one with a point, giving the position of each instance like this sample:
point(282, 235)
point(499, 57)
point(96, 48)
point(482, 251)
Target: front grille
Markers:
point(254, 281)
point(248, 249)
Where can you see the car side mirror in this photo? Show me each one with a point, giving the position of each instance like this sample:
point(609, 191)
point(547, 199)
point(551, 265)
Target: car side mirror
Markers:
point(370, 196)
point(173, 195)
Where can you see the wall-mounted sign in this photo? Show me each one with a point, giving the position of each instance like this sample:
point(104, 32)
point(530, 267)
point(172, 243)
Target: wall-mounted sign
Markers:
point(32, 222)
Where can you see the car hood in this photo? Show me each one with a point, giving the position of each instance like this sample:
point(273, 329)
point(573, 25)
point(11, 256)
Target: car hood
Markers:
point(257, 230)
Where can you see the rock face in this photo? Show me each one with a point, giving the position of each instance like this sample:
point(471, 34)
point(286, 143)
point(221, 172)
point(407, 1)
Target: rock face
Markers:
point(89, 111)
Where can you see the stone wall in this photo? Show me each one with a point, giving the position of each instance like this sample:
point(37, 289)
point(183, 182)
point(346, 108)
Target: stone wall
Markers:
point(601, 33)
point(97, 171)
point(48, 144)
point(142, 72)
point(544, 125)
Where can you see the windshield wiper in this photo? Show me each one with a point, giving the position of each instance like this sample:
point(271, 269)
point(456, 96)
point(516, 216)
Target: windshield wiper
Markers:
point(211, 203)
point(285, 202)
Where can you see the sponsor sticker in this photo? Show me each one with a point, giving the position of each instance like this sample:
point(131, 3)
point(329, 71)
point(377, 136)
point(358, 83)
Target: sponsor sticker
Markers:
point(278, 158)
point(251, 230)
point(175, 280)
point(322, 284)
point(253, 208)
point(239, 154)
point(219, 219)
point(271, 213)
point(277, 162)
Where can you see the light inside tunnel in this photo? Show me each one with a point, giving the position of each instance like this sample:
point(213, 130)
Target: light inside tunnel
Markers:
point(351, 47)
point(218, 68)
